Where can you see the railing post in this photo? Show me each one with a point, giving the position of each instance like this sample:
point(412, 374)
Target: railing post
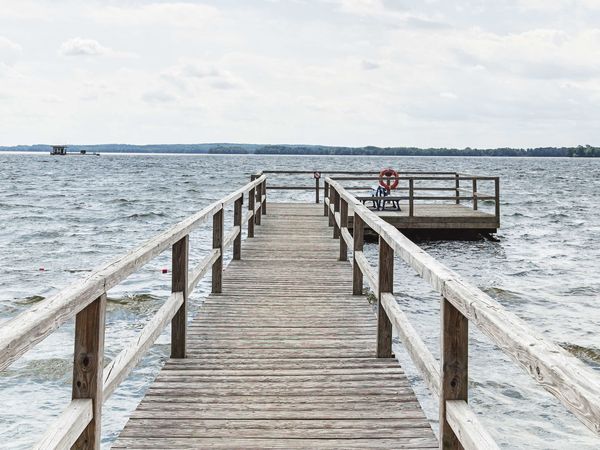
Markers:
point(325, 196)
point(343, 224)
point(251, 204)
point(217, 268)
point(411, 197)
point(475, 194)
point(358, 231)
point(336, 208)
point(237, 222)
point(317, 188)
point(454, 367)
point(457, 187)
point(386, 284)
point(264, 192)
point(497, 197)
point(88, 364)
point(331, 202)
point(179, 283)
point(258, 203)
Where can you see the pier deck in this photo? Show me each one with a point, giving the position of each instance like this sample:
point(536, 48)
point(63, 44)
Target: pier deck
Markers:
point(284, 357)
point(436, 217)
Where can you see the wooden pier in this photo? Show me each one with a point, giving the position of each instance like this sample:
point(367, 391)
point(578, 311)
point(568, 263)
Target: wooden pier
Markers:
point(286, 352)
point(283, 358)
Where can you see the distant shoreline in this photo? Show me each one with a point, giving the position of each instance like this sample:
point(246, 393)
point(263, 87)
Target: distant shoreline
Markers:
point(310, 150)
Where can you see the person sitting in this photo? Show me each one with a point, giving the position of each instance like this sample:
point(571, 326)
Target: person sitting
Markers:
point(379, 203)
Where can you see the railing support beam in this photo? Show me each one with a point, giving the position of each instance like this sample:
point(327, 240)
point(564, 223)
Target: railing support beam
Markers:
point(88, 364)
point(358, 231)
point(237, 222)
point(251, 205)
point(259, 204)
point(386, 284)
point(325, 196)
point(264, 192)
point(217, 268)
point(343, 224)
point(179, 283)
point(454, 353)
point(336, 208)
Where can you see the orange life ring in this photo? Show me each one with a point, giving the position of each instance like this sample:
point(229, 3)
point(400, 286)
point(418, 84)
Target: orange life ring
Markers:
point(388, 173)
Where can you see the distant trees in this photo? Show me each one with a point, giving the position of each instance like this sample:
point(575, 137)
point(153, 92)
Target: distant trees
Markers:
point(586, 152)
point(581, 151)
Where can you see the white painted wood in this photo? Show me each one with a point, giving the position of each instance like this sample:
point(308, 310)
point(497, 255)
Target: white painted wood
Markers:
point(465, 424)
point(119, 368)
point(65, 430)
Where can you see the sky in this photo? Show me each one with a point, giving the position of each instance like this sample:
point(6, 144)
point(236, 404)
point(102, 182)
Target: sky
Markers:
point(441, 73)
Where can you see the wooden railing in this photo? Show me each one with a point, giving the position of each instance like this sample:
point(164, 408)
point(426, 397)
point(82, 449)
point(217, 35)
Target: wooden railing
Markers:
point(573, 383)
point(80, 424)
point(408, 183)
point(411, 184)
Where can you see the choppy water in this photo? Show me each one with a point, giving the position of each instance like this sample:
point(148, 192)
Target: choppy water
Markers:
point(68, 215)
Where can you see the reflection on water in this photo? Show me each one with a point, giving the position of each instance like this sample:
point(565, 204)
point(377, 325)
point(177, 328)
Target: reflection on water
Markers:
point(64, 216)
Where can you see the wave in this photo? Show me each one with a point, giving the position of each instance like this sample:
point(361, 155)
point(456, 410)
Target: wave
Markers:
point(586, 354)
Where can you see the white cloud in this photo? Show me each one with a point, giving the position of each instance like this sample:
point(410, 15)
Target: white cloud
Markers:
point(180, 14)
point(83, 47)
point(9, 51)
point(193, 76)
point(158, 96)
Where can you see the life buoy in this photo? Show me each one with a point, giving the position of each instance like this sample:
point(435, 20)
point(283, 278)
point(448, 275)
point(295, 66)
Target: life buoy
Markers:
point(384, 177)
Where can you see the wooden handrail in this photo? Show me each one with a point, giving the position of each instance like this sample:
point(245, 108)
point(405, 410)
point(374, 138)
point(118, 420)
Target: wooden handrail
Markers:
point(86, 300)
point(573, 383)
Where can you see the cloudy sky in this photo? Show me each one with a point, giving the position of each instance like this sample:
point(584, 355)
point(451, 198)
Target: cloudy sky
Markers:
point(479, 73)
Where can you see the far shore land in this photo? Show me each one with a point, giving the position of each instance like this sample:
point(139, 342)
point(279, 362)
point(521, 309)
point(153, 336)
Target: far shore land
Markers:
point(293, 149)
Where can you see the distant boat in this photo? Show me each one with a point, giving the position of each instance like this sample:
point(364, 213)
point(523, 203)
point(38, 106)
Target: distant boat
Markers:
point(61, 150)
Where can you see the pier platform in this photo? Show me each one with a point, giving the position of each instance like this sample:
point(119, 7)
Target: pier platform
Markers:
point(283, 358)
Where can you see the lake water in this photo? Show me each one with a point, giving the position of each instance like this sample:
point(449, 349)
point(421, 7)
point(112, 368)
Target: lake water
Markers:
point(67, 215)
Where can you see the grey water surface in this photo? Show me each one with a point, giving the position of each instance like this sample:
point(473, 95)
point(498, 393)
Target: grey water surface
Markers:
point(62, 216)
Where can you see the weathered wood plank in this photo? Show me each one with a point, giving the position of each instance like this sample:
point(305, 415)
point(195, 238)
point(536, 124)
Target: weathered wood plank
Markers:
point(119, 368)
point(88, 358)
point(67, 428)
point(466, 426)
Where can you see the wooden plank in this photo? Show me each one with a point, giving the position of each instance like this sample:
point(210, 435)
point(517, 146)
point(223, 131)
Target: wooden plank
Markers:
point(88, 357)
point(466, 426)
point(346, 238)
point(179, 283)
point(217, 243)
point(67, 428)
point(454, 383)
point(237, 223)
point(367, 270)
point(413, 344)
point(386, 285)
point(202, 267)
point(121, 365)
